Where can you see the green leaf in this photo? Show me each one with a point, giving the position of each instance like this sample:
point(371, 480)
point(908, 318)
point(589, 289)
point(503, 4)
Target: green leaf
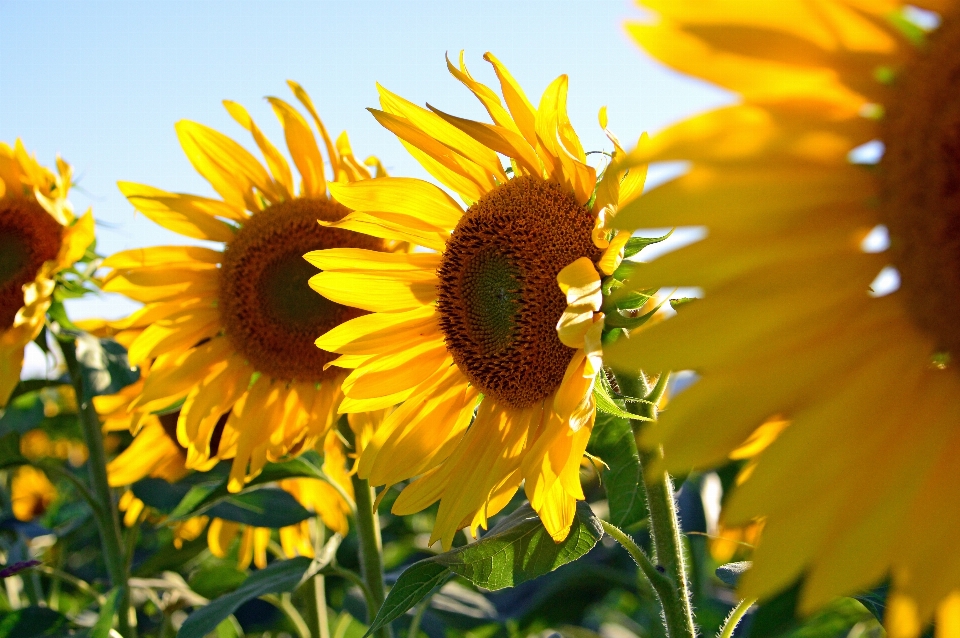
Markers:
point(213, 581)
point(32, 622)
point(875, 601)
point(613, 442)
point(105, 621)
point(635, 244)
point(104, 364)
point(516, 550)
point(265, 507)
point(415, 583)
point(279, 577)
point(731, 572)
point(10, 451)
point(205, 495)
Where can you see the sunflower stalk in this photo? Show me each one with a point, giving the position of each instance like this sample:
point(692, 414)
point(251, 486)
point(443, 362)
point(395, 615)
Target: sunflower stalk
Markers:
point(108, 521)
point(665, 533)
point(368, 534)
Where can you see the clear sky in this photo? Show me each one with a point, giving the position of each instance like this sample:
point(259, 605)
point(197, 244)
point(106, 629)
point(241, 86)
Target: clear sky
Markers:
point(103, 82)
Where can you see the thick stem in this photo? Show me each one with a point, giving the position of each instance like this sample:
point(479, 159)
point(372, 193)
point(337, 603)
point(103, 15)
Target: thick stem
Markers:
point(108, 522)
point(668, 551)
point(371, 549)
point(368, 534)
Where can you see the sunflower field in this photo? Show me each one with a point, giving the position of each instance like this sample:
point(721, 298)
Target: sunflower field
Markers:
point(509, 377)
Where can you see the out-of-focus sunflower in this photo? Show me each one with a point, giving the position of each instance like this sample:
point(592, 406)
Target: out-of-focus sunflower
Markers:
point(501, 316)
point(156, 453)
point(862, 485)
point(229, 332)
point(39, 238)
point(31, 493)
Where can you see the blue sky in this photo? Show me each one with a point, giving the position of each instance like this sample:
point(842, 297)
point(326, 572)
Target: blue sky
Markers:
point(103, 83)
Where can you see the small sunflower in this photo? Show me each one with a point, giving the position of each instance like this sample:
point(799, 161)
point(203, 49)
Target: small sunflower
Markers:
point(228, 333)
point(489, 339)
point(863, 483)
point(31, 493)
point(39, 238)
point(156, 453)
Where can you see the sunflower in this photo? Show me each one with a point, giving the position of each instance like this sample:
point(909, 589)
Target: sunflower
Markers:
point(39, 238)
point(31, 493)
point(228, 333)
point(489, 337)
point(859, 487)
point(155, 452)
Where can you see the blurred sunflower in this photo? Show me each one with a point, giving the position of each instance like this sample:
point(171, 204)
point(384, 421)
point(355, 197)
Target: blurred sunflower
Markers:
point(39, 238)
point(859, 487)
point(227, 333)
point(498, 325)
point(156, 453)
point(31, 493)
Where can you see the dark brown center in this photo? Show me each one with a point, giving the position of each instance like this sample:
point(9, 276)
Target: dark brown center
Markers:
point(921, 185)
point(268, 311)
point(498, 297)
point(29, 236)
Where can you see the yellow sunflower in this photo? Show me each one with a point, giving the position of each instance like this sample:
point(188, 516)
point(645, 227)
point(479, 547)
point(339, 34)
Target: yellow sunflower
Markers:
point(39, 238)
point(228, 333)
point(489, 339)
point(31, 493)
point(859, 487)
point(156, 453)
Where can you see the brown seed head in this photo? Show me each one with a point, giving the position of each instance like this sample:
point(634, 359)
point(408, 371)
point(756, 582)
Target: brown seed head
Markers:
point(921, 185)
point(269, 312)
point(498, 298)
point(29, 236)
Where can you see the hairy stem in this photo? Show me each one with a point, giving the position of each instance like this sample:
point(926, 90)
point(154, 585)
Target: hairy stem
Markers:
point(736, 614)
point(108, 521)
point(668, 550)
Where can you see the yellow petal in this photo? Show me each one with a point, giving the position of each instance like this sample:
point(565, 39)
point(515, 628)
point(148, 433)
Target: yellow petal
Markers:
point(230, 169)
point(371, 261)
point(185, 214)
point(303, 148)
point(275, 161)
point(395, 372)
point(520, 107)
point(378, 332)
point(376, 293)
point(402, 196)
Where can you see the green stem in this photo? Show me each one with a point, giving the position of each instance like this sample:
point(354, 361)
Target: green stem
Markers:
point(662, 585)
point(106, 516)
point(371, 550)
point(665, 531)
point(734, 618)
point(417, 618)
point(316, 590)
point(368, 533)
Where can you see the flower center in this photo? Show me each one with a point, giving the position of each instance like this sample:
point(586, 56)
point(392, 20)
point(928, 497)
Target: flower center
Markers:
point(921, 184)
point(498, 298)
point(268, 311)
point(29, 236)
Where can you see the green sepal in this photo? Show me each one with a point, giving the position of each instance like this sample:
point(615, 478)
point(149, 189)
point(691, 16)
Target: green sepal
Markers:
point(635, 244)
point(606, 405)
point(680, 302)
